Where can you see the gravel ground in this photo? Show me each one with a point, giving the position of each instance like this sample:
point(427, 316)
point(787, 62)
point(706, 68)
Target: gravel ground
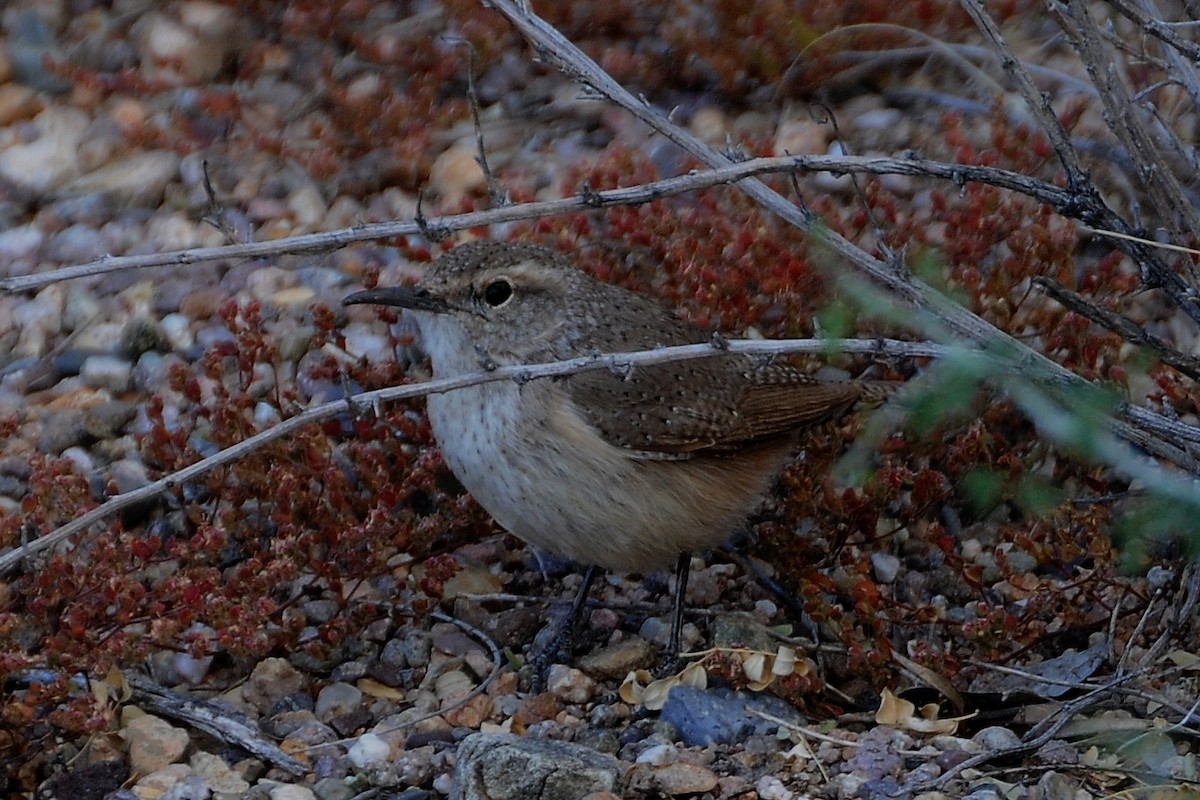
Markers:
point(415, 708)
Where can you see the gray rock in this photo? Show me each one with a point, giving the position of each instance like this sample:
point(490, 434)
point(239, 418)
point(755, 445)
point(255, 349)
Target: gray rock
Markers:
point(336, 699)
point(415, 646)
point(142, 335)
point(50, 159)
point(136, 180)
point(719, 716)
point(60, 430)
point(128, 475)
point(885, 566)
point(500, 766)
point(333, 789)
point(996, 737)
point(109, 419)
point(78, 243)
point(107, 372)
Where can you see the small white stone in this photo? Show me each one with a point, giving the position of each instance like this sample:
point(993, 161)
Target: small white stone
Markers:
point(107, 372)
point(178, 330)
point(292, 793)
point(771, 788)
point(81, 457)
point(135, 180)
point(307, 206)
point(570, 684)
point(885, 566)
point(659, 755)
point(368, 750)
point(52, 158)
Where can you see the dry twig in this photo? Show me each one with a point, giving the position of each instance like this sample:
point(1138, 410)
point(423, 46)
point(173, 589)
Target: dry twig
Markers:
point(1138, 426)
point(619, 362)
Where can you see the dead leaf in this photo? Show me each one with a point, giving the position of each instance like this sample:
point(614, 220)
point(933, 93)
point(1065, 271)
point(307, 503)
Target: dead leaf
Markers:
point(893, 710)
point(373, 688)
point(785, 661)
point(638, 688)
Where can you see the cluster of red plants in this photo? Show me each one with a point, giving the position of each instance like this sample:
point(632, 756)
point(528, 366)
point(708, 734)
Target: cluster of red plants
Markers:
point(337, 512)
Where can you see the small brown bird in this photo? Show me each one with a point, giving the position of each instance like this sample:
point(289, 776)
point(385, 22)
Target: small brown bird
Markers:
point(625, 472)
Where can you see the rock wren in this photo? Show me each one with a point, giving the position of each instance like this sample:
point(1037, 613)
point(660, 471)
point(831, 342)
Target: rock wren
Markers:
point(625, 472)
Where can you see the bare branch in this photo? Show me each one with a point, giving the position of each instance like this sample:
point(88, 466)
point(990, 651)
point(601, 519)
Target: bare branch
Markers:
point(1090, 208)
point(1157, 28)
point(619, 362)
point(557, 50)
point(1158, 179)
point(630, 196)
point(211, 718)
point(1123, 326)
point(1037, 101)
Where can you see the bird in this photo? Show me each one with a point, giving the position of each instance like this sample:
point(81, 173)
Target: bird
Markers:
point(628, 472)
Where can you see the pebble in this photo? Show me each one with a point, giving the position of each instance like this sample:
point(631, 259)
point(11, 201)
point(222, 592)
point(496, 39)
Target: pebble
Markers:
point(658, 755)
point(272, 679)
point(153, 743)
point(177, 331)
point(707, 716)
point(569, 684)
point(309, 734)
point(113, 373)
point(158, 783)
point(141, 335)
point(134, 180)
point(684, 779)
point(367, 750)
point(37, 320)
point(416, 646)
point(61, 430)
point(337, 699)
point(503, 765)
point(319, 611)
point(307, 206)
point(17, 103)
point(188, 50)
point(364, 341)
point(81, 308)
point(82, 459)
point(710, 125)
point(885, 566)
point(455, 173)
point(31, 41)
point(218, 776)
point(333, 789)
point(995, 737)
point(292, 300)
point(19, 248)
point(291, 792)
point(771, 788)
point(51, 158)
point(615, 661)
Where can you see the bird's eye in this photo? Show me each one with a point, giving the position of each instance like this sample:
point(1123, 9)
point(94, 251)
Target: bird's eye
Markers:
point(496, 293)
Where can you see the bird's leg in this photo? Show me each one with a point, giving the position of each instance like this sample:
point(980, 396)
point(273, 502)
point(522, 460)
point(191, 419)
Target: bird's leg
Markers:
point(683, 569)
point(560, 644)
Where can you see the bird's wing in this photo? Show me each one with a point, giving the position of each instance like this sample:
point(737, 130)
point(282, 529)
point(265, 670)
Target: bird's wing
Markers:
point(705, 406)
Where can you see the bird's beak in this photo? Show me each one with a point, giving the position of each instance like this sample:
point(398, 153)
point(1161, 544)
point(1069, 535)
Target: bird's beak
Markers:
point(413, 297)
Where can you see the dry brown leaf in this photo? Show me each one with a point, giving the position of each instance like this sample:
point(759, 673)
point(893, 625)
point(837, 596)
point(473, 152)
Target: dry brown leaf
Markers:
point(1184, 659)
point(113, 688)
point(638, 688)
point(633, 686)
point(893, 710)
point(373, 688)
point(901, 713)
point(785, 661)
point(754, 666)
